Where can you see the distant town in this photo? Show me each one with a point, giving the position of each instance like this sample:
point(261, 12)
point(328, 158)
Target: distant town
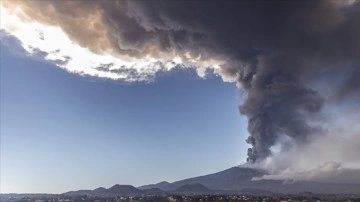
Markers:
point(309, 197)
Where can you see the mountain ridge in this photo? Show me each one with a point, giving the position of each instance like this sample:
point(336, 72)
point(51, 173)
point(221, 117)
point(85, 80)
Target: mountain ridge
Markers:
point(235, 180)
point(222, 178)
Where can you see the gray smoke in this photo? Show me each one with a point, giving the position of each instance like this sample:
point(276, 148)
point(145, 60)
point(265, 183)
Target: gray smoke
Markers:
point(277, 103)
point(277, 51)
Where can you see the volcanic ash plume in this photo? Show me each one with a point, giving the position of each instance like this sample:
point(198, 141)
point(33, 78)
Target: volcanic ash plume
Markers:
point(290, 58)
point(278, 103)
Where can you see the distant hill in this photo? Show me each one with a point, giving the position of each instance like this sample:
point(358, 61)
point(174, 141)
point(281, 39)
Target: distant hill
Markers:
point(99, 190)
point(79, 193)
point(161, 185)
point(121, 190)
point(193, 189)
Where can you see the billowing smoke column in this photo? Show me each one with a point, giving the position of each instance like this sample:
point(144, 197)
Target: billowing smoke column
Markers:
point(277, 103)
point(276, 51)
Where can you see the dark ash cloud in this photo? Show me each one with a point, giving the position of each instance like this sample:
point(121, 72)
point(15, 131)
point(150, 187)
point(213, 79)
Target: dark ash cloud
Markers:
point(275, 50)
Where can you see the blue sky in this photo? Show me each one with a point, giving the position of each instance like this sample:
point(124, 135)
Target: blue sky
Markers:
point(61, 131)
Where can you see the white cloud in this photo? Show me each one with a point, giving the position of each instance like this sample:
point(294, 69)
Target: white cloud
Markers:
point(59, 48)
point(332, 157)
point(325, 172)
